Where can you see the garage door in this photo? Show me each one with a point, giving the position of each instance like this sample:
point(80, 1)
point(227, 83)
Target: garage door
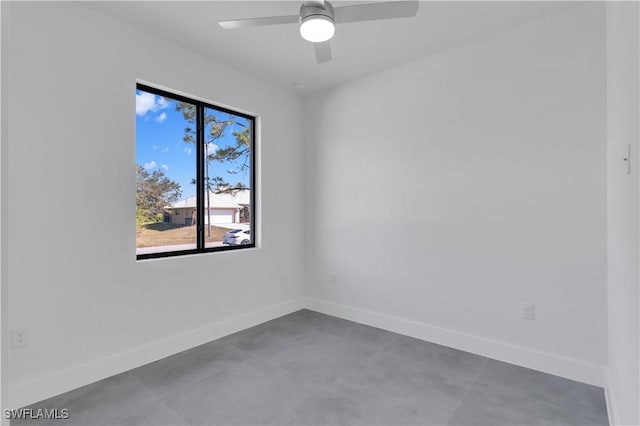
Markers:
point(221, 216)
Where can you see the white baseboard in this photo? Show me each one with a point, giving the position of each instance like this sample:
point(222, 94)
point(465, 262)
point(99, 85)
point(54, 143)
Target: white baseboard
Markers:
point(65, 380)
point(608, 396)
point(542, 361)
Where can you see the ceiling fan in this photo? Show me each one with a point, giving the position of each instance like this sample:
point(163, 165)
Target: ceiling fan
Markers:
point(317, 20)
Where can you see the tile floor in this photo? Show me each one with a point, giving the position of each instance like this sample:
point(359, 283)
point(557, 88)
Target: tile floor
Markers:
point(312, 369)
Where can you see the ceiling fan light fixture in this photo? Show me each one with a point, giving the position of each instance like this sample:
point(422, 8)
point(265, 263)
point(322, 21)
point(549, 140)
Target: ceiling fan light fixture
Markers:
point(317, 20)
point(317, 28)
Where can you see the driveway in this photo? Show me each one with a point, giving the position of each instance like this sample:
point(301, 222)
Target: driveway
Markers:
point(242, 226)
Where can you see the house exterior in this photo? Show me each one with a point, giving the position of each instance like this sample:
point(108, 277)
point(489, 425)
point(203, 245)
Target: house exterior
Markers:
point(223, 209)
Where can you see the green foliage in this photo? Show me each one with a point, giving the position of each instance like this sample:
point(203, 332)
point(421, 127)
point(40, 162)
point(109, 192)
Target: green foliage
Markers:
point(189, 114)
point(245, 214)
point(143, 218)
point(240, 151)
point(154, 191)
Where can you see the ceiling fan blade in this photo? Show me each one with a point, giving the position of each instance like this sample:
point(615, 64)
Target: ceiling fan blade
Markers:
point(258, 22)
point(374, 11)
point(323, 51)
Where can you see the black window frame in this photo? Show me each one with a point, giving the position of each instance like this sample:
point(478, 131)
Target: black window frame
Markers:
point(200, 184)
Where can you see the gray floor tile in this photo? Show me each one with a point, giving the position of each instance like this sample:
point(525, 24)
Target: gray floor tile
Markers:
point(406, 392)
point(438, 357)
point(293, 324)
point(153, 414)
point(190, 365)
point(307, 317)
point(357, 332)
point(308, 368)
point(495, 405)
point(331, 324)
point(386, 390)
point(270, 337)
point(100, 402)
point(339, 405)
point(546, 387)
point(256, 393)
point(322, 357)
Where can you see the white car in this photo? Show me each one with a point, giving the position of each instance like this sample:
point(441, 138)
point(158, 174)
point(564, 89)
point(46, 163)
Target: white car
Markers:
point(237, 237)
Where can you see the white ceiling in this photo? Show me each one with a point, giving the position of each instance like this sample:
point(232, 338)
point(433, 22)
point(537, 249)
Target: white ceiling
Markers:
point(279, 55)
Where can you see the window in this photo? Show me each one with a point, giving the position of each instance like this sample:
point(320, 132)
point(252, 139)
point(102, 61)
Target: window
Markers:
point(195, 180)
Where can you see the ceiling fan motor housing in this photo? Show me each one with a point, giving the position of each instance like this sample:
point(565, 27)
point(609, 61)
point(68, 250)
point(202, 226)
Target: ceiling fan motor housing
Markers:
point(308, 11)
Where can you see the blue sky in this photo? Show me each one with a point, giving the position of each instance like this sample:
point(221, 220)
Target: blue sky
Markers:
point(159, 144)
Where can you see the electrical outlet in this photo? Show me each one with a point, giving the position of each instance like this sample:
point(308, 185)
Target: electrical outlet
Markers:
point(528, 311)
point(334, 279)
point(627, 160)
point(19, 337)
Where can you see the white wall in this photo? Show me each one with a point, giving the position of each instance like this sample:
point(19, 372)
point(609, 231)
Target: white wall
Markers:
point(3, 217)
point(90, 308)
point(447, 191)
point(443, 193)
point(623, 48)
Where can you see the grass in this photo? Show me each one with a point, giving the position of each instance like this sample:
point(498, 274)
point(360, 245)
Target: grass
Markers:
point(165, 234)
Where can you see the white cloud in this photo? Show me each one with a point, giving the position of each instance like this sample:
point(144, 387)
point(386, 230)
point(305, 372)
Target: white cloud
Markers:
point(150, 165)
point(187, 150)
point(155, 147)
point(161, 117)
point(146, 102)
point(164, 167)
point(165, 149)
point(212, 148)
